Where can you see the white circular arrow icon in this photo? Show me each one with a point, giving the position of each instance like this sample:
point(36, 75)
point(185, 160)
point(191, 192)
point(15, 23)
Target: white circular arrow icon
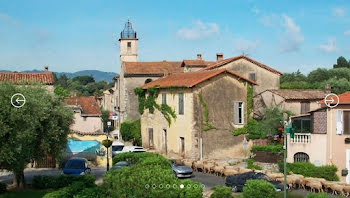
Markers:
point(331, 100)
point(18, 100)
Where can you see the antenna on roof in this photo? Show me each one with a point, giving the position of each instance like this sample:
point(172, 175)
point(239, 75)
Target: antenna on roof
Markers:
point(244, 54)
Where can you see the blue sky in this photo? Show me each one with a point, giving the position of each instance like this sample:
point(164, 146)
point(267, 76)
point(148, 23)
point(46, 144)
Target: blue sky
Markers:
point(77, 35)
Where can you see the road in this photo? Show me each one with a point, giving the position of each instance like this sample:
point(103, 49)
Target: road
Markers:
point(208, 180)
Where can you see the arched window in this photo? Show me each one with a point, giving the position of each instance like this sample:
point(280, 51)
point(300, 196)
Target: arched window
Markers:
point(148, 80)
point(301, 157)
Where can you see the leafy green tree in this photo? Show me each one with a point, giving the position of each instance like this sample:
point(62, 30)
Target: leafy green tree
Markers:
point(84, 80)
point(39, 128)
point(341, 62)
point(61, 92)
point(62, 81)
point(318, 75)
point(294, 76)
point(338, 85)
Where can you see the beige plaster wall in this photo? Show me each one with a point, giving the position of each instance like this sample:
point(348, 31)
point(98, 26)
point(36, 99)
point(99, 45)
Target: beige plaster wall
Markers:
point(91, 124)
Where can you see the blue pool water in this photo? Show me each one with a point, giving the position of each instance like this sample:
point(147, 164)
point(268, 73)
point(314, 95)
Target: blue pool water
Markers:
point(77, 146)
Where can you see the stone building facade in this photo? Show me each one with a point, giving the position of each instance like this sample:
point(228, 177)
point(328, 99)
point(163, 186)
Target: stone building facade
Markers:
point(224, 95)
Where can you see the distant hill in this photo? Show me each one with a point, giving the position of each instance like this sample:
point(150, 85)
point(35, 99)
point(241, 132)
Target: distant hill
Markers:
point(98, 75)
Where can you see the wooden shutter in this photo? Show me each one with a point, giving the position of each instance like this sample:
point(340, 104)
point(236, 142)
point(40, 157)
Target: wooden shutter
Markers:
point(346, 115)
point(235, 113)
point(252, 76)
point(339, 119)
point(150, 133)
point(163, 98)
point(181, 103)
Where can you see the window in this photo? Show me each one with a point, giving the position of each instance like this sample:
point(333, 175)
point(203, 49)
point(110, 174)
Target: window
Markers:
point(346, 121)
point(148, 80)
point(182, 145)
point(252, 76)
point(238, 110)
point(129, 44)
point(181, 103)
point(305, 107)
point(150, 137)
point(163, 98)
point(301, 157)
point(302, 125)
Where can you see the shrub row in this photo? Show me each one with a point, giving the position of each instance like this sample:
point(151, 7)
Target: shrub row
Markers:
point(271, 148)
point(149, 176)
point(251, 165)
point(46, 182)
point(77, 190)
point(3, 187)
point(258, 189)
point(221, 192)
point(307, 169)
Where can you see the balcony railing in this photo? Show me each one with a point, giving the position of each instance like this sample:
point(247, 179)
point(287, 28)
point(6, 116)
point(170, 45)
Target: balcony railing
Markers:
point(303, 138)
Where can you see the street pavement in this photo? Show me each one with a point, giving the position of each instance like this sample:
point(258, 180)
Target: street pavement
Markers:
point(208, 180)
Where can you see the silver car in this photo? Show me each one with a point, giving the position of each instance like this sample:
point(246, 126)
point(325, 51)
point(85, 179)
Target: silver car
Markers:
point(181, 171)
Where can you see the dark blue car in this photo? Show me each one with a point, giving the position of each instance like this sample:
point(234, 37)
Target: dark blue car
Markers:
point(76, 166)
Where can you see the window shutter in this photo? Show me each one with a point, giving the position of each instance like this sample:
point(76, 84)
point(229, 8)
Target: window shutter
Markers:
point(235, 113)
point(339, 119)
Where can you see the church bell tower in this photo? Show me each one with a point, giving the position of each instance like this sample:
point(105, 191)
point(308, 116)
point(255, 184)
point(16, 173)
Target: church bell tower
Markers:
point(128, 44)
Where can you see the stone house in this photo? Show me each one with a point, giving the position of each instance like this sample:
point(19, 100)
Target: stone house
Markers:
point(322, 137)
point(45, 78)
point(265, 76)
point(222, 93)
point(297, 101)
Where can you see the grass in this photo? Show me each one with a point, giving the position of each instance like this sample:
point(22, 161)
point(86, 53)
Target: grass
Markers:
point(290, 195)
point(25, 194)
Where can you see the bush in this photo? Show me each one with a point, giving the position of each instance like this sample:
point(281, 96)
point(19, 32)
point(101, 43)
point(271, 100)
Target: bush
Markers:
point(70, 191)
point(131, 131)
point(258, 189)
point(271, 148)
point(251, 165)
point(318, 195)
point(149, 176)
point(307, 169)
point(3, 187)
point(95, 192)
point(66, 180)
point(221, 192)
point(44, 182)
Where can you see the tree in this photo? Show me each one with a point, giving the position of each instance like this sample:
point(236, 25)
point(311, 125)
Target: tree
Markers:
point(62, 81)
point(84, 80)
point(61, 92)
point(37, 129)
point(341, 62)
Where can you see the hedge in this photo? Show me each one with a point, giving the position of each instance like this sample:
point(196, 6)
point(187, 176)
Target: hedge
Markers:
point(3, 187)
point(46, 182)
point(318, 195)
point(149, 176)
point(270, 148)
point(258, 189)
point(307, 169)
point(221, 192)
point(251, 165)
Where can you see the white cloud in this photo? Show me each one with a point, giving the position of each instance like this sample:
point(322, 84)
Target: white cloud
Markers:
point(329, 47)
point(255, 10)
point(199, 30)
point(292, 38)
point(245, 46)
point(347, 33)
point(269, 20)
point(339, 12)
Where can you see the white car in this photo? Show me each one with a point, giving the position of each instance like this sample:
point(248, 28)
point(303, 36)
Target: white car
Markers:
point(135, 149)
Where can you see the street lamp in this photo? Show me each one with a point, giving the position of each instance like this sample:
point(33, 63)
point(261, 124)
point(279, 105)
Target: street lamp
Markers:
point(107, 145)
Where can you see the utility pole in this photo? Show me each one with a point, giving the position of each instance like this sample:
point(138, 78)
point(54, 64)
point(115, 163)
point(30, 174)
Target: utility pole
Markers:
point(108, 125)
point(285, 125)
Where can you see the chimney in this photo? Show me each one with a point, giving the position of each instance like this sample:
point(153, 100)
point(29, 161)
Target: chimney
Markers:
point(199, 56)
point(46, 68)
point(328, 88)
point(219, 56)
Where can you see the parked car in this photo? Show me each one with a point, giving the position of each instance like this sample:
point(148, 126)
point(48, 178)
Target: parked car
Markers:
point(121, 164)
point(117, 147)
point(181, 171)
point(135, 149)
point(76, 166)
point(237, 182)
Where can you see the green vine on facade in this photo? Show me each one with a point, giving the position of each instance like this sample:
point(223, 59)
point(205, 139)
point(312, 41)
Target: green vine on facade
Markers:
point(150, 103)
point(206, 125)
point(249, 99)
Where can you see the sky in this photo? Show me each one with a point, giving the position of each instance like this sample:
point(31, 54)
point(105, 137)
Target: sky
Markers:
point(79, 35)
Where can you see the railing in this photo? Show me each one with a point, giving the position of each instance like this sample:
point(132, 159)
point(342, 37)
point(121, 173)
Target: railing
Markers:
point(303, 138)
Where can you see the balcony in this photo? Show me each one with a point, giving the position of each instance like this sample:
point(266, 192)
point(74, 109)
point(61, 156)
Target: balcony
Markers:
point(301, 138)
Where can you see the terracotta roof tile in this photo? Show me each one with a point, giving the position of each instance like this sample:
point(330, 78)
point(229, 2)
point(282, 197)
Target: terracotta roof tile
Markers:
point(190, 79)
point(14, 77)
point(225, 61)
point(163, 67)
point(344, 98)
point(196, 63)
point(88, 104)
point(300, 94)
